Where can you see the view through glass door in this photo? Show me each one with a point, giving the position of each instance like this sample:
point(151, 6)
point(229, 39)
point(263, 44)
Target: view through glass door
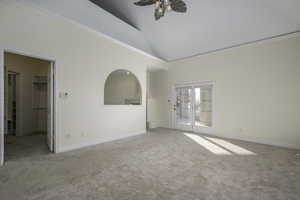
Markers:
point(184, 108)
point(193, 107)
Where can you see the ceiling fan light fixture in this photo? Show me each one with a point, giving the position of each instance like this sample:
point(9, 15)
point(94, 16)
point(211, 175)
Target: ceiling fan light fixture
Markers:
point(163, 6)
point(169, 8)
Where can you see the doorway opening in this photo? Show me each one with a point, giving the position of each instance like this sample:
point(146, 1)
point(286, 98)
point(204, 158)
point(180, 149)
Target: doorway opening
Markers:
point(28, 106)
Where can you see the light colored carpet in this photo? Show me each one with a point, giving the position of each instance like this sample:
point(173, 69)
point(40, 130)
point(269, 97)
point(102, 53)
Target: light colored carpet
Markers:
point(162, 165)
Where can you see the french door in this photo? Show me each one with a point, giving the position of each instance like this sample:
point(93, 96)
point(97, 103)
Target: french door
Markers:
point(183, 108)
point(192, 107)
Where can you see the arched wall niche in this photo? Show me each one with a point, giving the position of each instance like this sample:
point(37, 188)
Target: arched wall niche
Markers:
point(122, 88)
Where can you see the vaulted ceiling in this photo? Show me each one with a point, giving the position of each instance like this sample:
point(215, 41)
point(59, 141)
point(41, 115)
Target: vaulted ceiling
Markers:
point(208, 25)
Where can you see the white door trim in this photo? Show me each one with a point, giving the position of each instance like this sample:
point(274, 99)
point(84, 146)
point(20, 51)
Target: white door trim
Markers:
point(55, 99)
point(50, 112)
point(2, 106)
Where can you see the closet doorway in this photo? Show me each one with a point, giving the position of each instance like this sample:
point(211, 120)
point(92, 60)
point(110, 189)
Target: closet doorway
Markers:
point(28, 107)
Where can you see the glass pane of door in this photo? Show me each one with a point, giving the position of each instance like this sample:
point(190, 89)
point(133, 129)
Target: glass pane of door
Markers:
point(203, 106)
point(184, 108)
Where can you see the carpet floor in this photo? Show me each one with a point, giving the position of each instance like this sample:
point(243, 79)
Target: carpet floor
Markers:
point(161, 165)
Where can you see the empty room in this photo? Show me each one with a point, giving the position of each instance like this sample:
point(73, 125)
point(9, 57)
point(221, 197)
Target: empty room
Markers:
point(149, 100)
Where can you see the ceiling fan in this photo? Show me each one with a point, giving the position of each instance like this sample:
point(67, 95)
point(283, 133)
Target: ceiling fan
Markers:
point(163, 6)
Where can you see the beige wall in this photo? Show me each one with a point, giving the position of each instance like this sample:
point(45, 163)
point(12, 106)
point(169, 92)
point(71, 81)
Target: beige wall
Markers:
point(84, 59)
point(257, 90)
point(30, 120)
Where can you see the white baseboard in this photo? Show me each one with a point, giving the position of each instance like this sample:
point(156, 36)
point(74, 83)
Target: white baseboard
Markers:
point(288, 146)
point(282, 145)
point(153, 124)
point(79, 146)
point(93, 143)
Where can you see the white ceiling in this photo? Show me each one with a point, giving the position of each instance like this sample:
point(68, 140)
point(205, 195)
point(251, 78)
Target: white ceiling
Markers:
point(89, 15)
point(208, 25)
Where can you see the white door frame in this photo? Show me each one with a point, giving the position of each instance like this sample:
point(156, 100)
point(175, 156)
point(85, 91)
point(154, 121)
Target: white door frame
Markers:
point(2, 78)
point(50, 103)
point(54, 94)
point(193, 84)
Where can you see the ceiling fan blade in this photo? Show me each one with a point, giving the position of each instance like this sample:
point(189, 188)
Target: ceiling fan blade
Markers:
point(178, 6)
point(145, 2)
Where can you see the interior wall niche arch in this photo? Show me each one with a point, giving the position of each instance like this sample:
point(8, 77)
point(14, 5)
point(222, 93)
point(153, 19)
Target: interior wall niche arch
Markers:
point(122, 88)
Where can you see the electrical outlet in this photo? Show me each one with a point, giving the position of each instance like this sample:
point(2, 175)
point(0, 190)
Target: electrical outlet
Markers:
point(83, 134)
point(68, 136)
